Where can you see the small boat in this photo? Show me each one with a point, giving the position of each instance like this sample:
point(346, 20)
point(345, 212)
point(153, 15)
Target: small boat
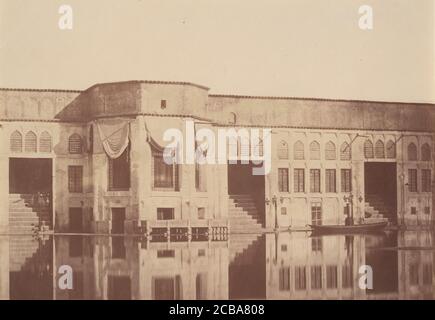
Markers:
point(355, 228)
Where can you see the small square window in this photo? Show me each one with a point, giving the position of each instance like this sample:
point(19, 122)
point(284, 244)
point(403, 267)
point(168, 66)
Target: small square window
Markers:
point(201, 252)
point(163, 104)
point(283, 211)
point(413, 210)
point(201, 213)
point(165, 253)
point(284, 247)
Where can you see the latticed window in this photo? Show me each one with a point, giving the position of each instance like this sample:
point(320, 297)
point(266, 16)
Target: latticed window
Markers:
point(330, 179)
point(16, 142)
point(379, 149)
point(314, 150)
point(391, 149)
point(244, 147)
point(284, 278)
point(316, 277)
point(75, 179)
point(298, 151)
point(283, 150)
point(283, 179)
point(316, 213)
point(346, 180)
point(165, 175)
point(45, 142)
point(412, 180)
point(75, 144)
point(30, 142)
point(331, 277)
point(412, 152)
point(368, 149)
point(299, 180)
point(425, 152)
point(426, 183)
point(345, 151)
point(330, 152)
point(315, 180)
point(300, 278)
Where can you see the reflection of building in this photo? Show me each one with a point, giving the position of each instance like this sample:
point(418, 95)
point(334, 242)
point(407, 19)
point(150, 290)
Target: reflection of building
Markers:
point(124, 268)
point(301, 267)
point(416, 267)
point(93, 160)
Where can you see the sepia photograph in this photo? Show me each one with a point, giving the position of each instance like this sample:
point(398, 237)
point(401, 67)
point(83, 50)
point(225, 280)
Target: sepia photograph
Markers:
point(229, 151)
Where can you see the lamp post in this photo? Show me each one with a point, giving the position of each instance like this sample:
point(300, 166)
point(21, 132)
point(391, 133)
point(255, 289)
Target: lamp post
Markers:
point(274, 201)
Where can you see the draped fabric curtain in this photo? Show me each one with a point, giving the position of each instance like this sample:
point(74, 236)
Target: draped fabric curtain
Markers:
point(114, 135)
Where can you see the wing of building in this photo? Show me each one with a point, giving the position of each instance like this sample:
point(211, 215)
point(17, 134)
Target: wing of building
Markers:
point(94, 160)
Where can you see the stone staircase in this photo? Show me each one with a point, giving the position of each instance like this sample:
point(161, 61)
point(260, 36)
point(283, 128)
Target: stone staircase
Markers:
point(376, 210)
point(243, 215)
point(21, 250)
point(240, 244)
point(25, 216)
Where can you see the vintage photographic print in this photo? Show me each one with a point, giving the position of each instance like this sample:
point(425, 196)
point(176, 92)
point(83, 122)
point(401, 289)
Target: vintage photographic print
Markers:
point(217, 150)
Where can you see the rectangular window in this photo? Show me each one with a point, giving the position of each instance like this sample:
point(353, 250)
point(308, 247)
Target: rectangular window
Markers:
point(119, 172)
point(346, 180)
point(316, 277)
point(165, 175)
point(426, 183)
point(413, 210)
point(315, 180)
point(284, 279)
point(412, 180)
point(201, 213)
point(300, 278)
point(118, 219)
point(165, 213)
point(167, 288)
point(316, 213)
point(118, 248)
point(331, 277)
point(118, 287)
point(427, 274)
point(316, 244)
point(75, 179)
point(330, 180)
point(426, 210)
point(299, 179)
point(283, 179)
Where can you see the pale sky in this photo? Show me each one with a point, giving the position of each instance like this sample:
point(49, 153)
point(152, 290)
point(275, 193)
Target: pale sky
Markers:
point(301, 48)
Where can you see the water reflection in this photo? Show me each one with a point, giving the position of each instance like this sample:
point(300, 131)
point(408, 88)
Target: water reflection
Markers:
point(269, 266)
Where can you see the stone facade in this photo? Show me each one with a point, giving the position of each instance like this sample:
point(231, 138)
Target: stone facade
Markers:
point(321, 127)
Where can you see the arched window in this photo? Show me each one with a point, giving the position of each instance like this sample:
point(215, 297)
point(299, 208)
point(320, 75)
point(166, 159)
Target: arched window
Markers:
point(16, 142)
point(391, 149)
point(379, 149)
point(45, 142)
point(412, 152)
point(30, 142)
point(314, 150)
point(298, 150)
point(368, 149)
point(75, 144)
point(283, 150)
point(258, 148)
point(330, 152)
point(345, 151)
point(232, 118)
point(425, 152)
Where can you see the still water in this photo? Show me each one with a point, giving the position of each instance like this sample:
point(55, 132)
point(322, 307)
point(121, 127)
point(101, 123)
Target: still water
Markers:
point(260, 266)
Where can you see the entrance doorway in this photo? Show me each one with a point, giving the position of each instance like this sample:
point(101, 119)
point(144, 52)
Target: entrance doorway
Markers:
point(242, 181)
point(380, 188)
point(30, 176)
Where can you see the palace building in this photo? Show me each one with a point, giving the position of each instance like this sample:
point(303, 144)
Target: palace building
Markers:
point(92, 161)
